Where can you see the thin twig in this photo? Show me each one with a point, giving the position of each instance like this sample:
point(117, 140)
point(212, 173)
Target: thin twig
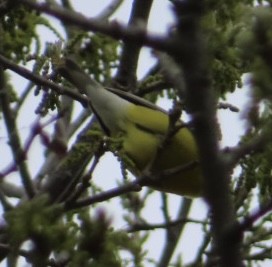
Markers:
point(256, 215)
point(165, 208)
point(153, 87)
point(36, 130)
point(74, 126)
point(174, 233)
point(172, 73)
point(69, 187)
point(131, 187)
point(260, 256)
point(257, 143)
point(147, 227)
point(6, 205)
point(109, 10)
point(22, 99)
point(201, 250)
point(227, 106)
point(85, 183)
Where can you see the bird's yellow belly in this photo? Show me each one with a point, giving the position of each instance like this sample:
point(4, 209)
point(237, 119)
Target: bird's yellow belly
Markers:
point(142, 148)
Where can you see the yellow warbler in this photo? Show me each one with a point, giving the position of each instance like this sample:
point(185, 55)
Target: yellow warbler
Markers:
point(143, 126)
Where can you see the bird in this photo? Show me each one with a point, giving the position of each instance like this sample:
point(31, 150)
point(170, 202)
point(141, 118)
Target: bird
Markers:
point(172, 159)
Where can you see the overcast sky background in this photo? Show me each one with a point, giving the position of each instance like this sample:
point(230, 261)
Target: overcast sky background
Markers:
point(232, 127)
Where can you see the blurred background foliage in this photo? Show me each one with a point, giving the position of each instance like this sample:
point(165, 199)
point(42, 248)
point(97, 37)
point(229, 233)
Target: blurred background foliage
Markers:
point(239, 42)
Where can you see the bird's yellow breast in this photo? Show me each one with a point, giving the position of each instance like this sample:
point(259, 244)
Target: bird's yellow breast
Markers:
point(145, 130)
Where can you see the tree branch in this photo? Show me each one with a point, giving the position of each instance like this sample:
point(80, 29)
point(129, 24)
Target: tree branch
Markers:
point(6, 63)
point(134, 33)
point(19, 155)
point(126, 73)
point(191, 54)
